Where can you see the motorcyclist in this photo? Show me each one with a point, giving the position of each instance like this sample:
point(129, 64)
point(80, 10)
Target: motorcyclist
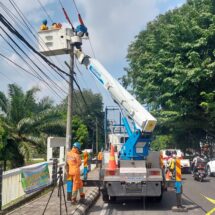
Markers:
point(196, 160)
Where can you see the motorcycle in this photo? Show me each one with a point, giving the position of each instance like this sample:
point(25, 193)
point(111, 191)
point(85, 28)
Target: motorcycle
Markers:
point(200, 173)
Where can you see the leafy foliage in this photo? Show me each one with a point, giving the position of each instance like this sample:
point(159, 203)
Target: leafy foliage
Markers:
point(88, 113)
point(25, 123)
point(172, 69)
point(79, 130)
point(161, 142)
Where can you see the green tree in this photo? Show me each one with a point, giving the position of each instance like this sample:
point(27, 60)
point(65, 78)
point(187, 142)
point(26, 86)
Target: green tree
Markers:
point(26, 124)
point(162, 142)
point(79, 131)
point(171, 68)
point(87, 111)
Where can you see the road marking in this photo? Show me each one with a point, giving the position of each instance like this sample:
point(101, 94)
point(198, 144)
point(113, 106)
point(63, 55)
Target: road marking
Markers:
point(213, 202)
point(104, 209)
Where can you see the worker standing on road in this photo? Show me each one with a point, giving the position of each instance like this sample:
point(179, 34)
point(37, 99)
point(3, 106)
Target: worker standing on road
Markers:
point(171, 164)
point(99, 157)
point(74, 163)
point(197, 159)
point(85, 165)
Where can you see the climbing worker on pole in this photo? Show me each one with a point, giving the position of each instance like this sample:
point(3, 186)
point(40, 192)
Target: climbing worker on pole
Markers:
point(74, 163)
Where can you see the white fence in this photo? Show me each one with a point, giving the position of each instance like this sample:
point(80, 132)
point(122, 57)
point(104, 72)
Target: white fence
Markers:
point(12, 190)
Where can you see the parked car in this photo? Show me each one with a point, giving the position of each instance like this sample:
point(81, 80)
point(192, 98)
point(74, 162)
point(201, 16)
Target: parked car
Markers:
point(211, 167)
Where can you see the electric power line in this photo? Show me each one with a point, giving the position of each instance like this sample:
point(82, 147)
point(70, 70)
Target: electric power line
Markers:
point(96, 84)
point(8, 25)
point(14, 31)
point(15, 18)
point(45, 11)
point(29, 26)
point(5, 76)
point(76, 6)
point(30, 59)
point(17, 65)
point(25, 70)
point(38, 75)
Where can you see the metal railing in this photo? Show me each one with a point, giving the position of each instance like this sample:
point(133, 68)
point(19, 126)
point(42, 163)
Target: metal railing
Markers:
point(12, 190)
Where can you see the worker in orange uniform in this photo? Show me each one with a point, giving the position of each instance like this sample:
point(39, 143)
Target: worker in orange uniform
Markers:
point(44, 26)
point(74, 163)
point(85, 165)
point(68, 184)
point(56, 25)
point(100, 157)
point(171, 163)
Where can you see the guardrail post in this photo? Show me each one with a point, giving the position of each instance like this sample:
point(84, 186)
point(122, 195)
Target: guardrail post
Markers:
point(1, 179)
point(54, 171)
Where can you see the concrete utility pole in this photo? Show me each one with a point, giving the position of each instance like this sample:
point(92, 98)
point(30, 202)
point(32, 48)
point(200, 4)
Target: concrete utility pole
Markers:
point(69, 105)
point(105, 127)
point(97, 137)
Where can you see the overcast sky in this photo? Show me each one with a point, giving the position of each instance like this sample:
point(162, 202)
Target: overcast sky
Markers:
point(112, 26)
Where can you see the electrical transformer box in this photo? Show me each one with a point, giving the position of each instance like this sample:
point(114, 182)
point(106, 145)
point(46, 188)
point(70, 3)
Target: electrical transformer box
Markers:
point(55, 41)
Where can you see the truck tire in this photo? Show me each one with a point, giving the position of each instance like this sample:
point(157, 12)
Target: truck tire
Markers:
point(112, 199)
point(158, 198)
point(108, 199)
point(105, 197)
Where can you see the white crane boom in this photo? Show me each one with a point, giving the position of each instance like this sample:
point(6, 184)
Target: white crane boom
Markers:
point(58, 41)
point(143, 119)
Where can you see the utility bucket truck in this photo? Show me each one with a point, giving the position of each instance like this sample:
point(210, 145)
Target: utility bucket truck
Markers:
point(138, 172)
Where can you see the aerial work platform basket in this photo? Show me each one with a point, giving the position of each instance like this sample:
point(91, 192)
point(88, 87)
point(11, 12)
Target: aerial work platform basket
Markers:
point(55, 41)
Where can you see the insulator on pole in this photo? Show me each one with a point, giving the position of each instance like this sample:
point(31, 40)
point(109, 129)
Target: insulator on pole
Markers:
point(80, 19)
point(67, 18)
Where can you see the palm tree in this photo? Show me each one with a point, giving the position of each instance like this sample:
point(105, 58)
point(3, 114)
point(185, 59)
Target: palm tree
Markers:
point(28, 123)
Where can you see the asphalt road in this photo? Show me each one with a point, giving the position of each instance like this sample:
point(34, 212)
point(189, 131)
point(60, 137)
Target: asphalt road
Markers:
point(193, 199)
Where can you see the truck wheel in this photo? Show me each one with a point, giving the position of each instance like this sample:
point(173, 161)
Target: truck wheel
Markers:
point(158, 198)
point(112, 199)
point(105, 197)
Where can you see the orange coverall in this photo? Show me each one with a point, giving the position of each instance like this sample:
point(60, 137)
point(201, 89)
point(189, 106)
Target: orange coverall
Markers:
point(85, 159)
point(85, 164)
point(74, 162)
point(100, 156)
